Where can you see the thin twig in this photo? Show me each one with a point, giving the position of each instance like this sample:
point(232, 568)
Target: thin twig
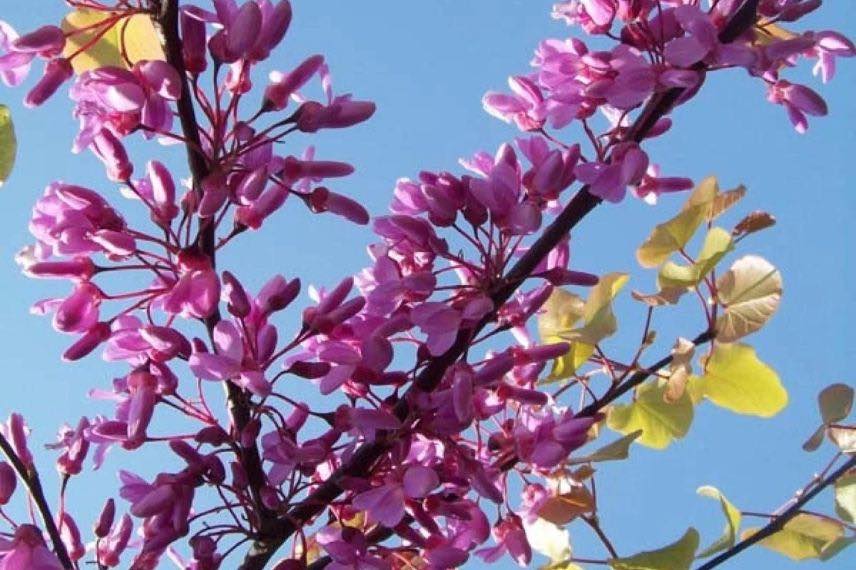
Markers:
point(30, 477)
point(779, 522)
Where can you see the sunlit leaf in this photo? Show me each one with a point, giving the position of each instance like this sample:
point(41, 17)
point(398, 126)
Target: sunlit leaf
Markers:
point(98, 39)
point(565, 507)
point(724, 201)
point(835, 403)
point(671, 236)
point(732, 522)
point(750, 292)
point(737, 380)
point(660, 422)
point(598, 317)
point(668, 296)
point(8, 144)
point(717, 243)
point(676, 556)
point(843, 437)
point(564, 309)
point(803, 537)
point(845, 497)
point(680, 369)
point(615, 451)
point(548, 539)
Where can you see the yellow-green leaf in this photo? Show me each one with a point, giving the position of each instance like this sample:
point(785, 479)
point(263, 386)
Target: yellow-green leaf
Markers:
point(677, 556)
point(737, 380)
point(671, 236)
point(803, 537)
point(716, 244)
point(559, 314)
point(845, 497)
point(598, 317)
point(96, 39)
point(835, 403)
point(564, 309)
point(732, 522)
point(617, 450)
point(8, 144)
point(750, 292)
point(660, 422)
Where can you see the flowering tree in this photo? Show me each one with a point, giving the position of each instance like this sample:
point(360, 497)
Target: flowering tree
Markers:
point(453, 431)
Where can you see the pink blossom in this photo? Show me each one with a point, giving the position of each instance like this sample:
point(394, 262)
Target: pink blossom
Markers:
point(27, 551)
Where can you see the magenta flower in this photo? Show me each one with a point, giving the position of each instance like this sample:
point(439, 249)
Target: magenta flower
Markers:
point(798, 101)
point(610, 181)
point(27, 551)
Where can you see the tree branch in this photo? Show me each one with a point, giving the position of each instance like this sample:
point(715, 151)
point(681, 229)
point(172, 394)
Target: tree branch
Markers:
point(30, 477)
point(429, 378)
point(781, 520)
point(238, 399)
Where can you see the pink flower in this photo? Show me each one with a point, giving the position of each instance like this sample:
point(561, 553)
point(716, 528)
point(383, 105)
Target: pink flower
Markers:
point(439, 322)
point(511, 539)
point(610, 181)
point(229, 362)
point(27, 551)
point(798, 101)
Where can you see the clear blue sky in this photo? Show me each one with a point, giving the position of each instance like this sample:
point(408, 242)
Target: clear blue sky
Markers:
point(427, 64)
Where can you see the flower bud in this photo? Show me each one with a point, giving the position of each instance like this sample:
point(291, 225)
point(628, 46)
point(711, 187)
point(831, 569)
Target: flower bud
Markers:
point(282, 87)
point(105, 519)
point(8, 482)
point(57, 72)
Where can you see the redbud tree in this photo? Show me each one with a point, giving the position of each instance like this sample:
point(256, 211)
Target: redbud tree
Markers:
point(471, 391)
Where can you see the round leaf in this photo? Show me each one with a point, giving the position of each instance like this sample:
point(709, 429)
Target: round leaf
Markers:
point(750, 292)
point(736, 380)
point(660, 422)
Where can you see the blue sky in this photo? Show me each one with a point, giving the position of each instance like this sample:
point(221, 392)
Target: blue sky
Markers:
point(427, 64)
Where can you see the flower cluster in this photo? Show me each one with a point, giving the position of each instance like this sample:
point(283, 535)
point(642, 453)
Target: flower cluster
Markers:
point(453, 432)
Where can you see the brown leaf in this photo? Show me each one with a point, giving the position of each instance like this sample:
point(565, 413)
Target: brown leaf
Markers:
point(564, 508)
point(754, 222)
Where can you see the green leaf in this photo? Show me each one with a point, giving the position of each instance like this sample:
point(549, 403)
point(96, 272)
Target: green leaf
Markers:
point(736, 380)
point(617, 450)
point(660, 422)
point(750, 292)
point(835, 403)
point(803, 537)
point(717, 243)
point(96, 39)
point(676, 556)
point(671, 236)
point(732, 522)
point(8, 144)
point(845, 497)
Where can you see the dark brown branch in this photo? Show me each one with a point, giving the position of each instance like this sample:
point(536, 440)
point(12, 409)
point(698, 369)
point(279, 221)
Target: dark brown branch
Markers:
point(30, 477)
point(429, 378)
point(779, 522)
point(239, 405)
